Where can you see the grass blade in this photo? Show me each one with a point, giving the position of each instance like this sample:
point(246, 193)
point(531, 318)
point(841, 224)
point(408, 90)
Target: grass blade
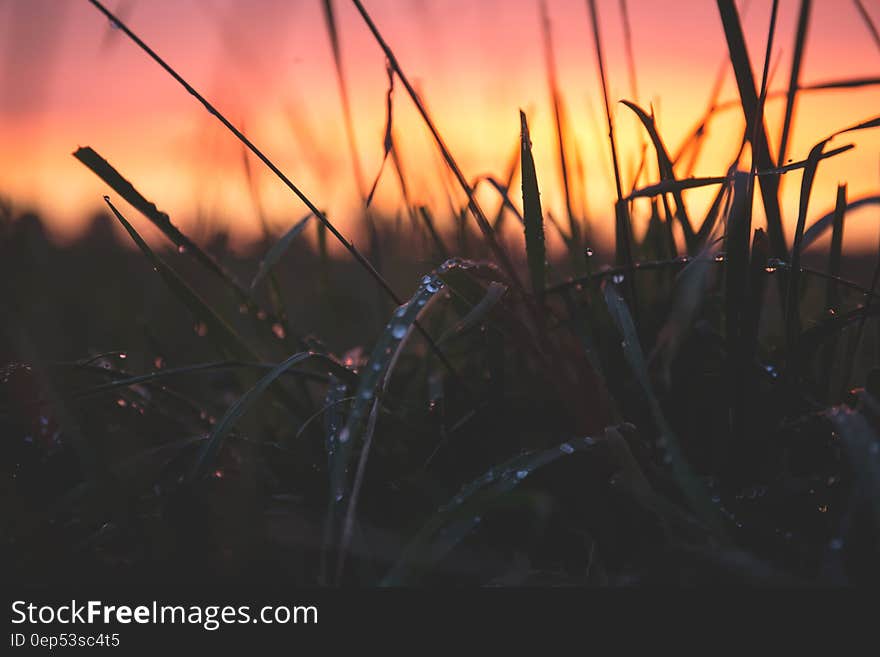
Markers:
point(533, 218)
point(556, 102)
point(455, 520)
point(225, 424)
point(473, 205)
point(690, 485)
point(273, 255)
point(105, 171)
point(869, 23)
point(217, 327)
point(667, 174)
point(755, 130)
point(378, 368)
point(821, 225)
point(800, 41)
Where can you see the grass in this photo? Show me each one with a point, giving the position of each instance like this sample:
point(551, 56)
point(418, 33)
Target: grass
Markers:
point(668, 416)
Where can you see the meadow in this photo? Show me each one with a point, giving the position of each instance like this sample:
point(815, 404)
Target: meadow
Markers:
point(451, 402)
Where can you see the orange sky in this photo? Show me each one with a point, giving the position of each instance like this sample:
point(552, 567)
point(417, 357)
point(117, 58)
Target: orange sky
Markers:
point(67, 80)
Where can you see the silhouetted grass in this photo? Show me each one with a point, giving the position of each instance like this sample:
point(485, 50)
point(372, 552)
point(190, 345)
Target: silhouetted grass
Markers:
point(669, 416)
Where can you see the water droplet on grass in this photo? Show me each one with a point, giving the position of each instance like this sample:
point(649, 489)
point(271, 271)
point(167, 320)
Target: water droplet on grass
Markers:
point(278, 330)
point(398, 331)
point(566, 448)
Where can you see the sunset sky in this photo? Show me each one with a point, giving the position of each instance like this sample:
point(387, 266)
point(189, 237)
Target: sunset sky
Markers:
point(68, 80)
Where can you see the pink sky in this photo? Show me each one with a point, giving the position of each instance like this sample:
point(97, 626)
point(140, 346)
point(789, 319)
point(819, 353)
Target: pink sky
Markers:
point(67, 80)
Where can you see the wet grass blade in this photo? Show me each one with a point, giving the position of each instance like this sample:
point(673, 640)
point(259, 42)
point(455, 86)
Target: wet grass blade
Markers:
point(863, 452)
point(105, 171)
point(225, 424)
point(533, 218)
point(389, 344)
point(691, 487)
point(219, 330)
point(164, 374)
point(277, 251)
point(458, 518)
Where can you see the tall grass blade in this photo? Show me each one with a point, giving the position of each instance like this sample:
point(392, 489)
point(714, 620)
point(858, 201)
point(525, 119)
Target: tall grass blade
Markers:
point(800, 41)
point(533, 218)
point(556, 102)
point(474, 207)
point(600, 62)
point(333, 33)
point(749, 100)
point(667, 174)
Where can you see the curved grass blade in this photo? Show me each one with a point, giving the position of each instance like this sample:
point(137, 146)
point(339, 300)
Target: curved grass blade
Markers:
point(377, 369)
point(455, 520)
point(233, 414)
point(533, 218)
point(476, 315)
point(691, 487)
point(335, 367)
point(278, 249)
point(667, 173)
point(821, 225)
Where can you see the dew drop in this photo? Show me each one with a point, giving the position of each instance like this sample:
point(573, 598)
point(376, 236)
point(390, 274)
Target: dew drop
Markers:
point(123, 355)
point(121, 403)
point(158, 362)
point(200, 329)
point(588, 252)
point(398, 331)
point(181, 249)
point(522, 474)
point(278, 330)
point(344, 435)
point(566, 448)
point(617, 279)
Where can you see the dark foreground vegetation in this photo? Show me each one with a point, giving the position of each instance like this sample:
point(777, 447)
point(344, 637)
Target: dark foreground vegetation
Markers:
point(698, 407)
